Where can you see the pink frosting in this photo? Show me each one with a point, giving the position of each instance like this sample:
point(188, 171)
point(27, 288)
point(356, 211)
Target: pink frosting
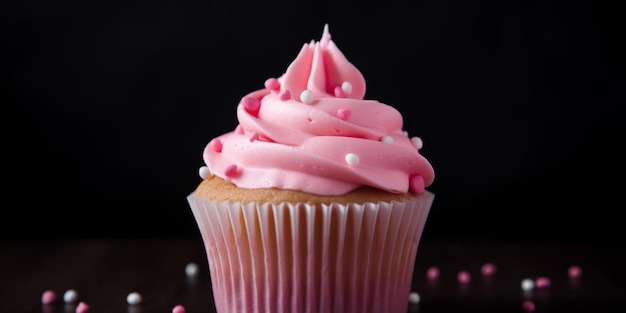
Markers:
point(311, 130)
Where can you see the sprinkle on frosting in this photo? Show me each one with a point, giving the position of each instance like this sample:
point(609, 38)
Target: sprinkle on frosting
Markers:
point(251, 104)
point(387, 139)
point(231, 170)
point(417, 142)
point(339, 93)
point(346, 87)
point(284, 95)
point(352, 159)
point(217, 145)
point(272, 84)
point(306, 96)
point(254, 137)
point(417, 184)
point(344, 114)
point(205, 172)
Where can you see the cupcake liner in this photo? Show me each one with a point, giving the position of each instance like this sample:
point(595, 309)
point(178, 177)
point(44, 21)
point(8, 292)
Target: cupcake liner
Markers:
point(286, 258)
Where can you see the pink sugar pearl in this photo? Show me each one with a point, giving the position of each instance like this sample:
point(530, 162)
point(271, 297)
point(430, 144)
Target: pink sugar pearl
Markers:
point(82, 307)
point(528, 306)
point(272, 84)
point(432, 273)
point(542, 282)
point(574, 271)
point(251, 104)
point(284, 95)
point(416, 183)
point(231, 170)
point(217, 145)
point(339, 93)
point(488, 269)
point(178, 309)
point(344, 114)
point(48, 297)
point(464, 277)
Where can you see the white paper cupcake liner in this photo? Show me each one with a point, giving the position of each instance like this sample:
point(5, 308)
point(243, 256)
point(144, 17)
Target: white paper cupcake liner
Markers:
point(288, 258)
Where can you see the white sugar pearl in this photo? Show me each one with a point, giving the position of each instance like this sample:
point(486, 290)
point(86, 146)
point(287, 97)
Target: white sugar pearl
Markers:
point(133, 298)
point(191, 269)
point(528, 284)
point(387, 139)
point(414, 298)
point(205, 172)
point(352, 159)
point(70, 296)
point(306, 96)
point(417, 142)
point(346, 87)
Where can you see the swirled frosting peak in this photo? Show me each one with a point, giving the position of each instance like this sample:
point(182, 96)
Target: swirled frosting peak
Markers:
point(312, 130)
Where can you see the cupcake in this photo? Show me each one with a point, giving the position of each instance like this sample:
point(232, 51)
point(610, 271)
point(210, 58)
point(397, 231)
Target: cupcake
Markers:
point(317, 200)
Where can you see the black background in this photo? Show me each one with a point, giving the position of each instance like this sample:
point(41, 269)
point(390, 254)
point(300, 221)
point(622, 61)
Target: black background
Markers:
point(110, 105)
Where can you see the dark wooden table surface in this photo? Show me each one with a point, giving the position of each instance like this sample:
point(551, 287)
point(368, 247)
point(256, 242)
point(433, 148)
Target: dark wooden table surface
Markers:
point(103, 272)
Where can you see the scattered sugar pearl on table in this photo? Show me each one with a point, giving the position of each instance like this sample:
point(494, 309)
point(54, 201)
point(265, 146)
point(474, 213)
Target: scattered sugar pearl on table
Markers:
point(191, 269)
point(82, 307)
point(178, 309)
point(70, 296)
point(574, 271)
point(542, 282)
point(464, 277)
point(528, 306)
point(488, 269)
point(48, 297)
point(133, 298)
point(414, 298)
point(528, 284)
point(432, 273)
